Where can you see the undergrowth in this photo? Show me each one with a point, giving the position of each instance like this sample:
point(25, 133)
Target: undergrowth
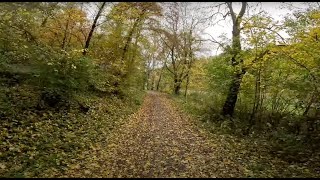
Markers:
point(267, 154)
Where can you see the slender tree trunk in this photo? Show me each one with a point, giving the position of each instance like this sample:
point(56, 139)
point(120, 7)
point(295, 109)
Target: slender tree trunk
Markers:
point(128, 41)
point(131, 61)
point(256, 103)
point(159, 80)
point(129, 37)
point(152, 83)
point(147, 79)
point(69, 40)
point(65, 35)
point(86, 46)
point(262, 97)
point(187, 84)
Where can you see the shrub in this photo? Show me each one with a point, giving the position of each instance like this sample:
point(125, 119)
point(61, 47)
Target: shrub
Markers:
point(60, 76)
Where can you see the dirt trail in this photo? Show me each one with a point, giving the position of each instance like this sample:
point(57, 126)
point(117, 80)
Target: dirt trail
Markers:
point(158, 141)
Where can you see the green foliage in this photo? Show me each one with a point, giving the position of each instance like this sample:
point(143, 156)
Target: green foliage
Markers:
point(61, 76)
point(259, 156)
point(219, 74)
point(56, 104)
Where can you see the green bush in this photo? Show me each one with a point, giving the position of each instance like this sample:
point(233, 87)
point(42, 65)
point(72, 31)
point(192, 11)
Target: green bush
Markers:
point(61, 76)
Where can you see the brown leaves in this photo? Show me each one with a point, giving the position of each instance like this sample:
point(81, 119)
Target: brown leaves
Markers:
point(61, 144)
point(158, 141)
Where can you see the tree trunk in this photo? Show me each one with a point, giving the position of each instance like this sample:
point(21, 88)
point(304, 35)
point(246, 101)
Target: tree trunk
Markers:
point(187, 83)
point(152, 82)
point(256, 103)
point(129, 37)
point(65, 35)
point(177, 86)
point(229, 105)
point(130, 63)
point(147, 79)
point(177, 89)
point(160, 76)
point(86, 46)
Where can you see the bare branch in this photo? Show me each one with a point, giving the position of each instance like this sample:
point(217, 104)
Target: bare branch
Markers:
point(214, 41)
point(233, 16)
point(242, 11)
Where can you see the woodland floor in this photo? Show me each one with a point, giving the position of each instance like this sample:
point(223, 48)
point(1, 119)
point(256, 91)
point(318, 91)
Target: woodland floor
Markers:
point(159, 141)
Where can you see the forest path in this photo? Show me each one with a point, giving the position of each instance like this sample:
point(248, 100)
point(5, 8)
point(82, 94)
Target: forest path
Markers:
point(159, 141)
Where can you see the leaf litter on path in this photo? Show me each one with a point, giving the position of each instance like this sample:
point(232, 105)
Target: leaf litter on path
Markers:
point(159, 141)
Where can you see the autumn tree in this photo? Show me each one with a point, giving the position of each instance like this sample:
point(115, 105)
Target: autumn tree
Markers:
point(236, 60)
point(179, 37)
point(124, 33)
point(93, 26)
point(154, 55)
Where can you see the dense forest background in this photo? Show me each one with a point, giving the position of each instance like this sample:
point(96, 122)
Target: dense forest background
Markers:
point(71, 72)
